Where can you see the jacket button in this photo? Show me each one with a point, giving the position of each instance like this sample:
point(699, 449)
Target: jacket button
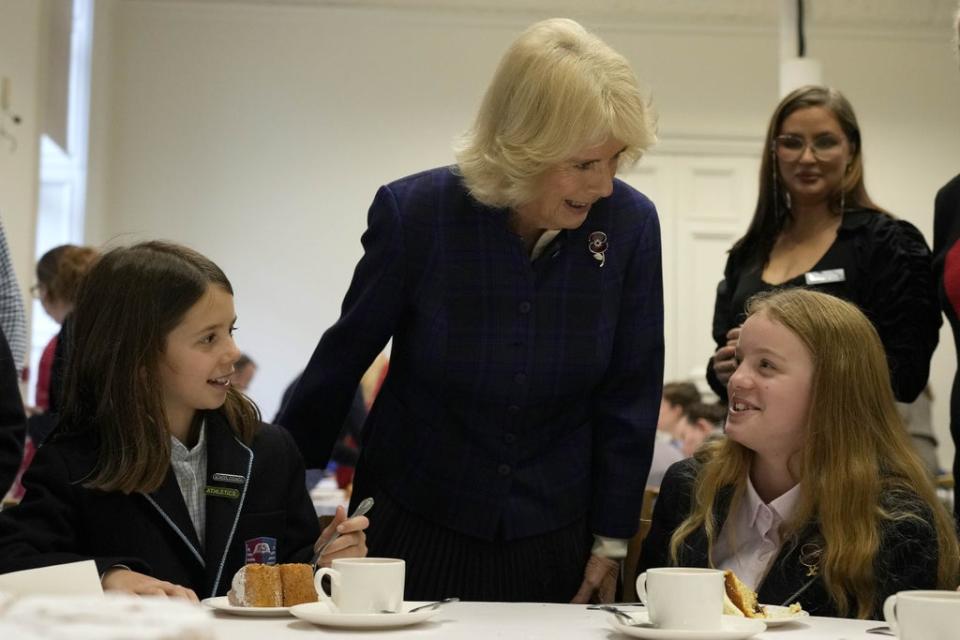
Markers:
point(513, 409)
point(525, 307)
point(509, 438)
point(520, 378)
point(504, 469)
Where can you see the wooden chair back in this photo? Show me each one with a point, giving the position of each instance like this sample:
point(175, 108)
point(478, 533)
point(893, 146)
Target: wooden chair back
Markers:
point(633, 550)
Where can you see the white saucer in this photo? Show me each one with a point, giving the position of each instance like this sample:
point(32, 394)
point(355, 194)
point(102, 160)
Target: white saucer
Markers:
point(222, 604)
point(778, 616)
point(320, 613)
point(731, 628)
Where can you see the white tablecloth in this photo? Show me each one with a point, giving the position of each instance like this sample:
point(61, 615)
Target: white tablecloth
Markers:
point(483, 620)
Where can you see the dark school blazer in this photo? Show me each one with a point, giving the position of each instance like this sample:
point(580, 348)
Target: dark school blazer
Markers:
point(907, 558)
point(60, 520)
point(13, 421)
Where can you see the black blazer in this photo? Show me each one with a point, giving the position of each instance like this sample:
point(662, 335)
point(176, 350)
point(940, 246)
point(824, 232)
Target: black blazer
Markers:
point(888, 274)
point(522, 396)
point(59, 520)
point(13, 421)
point(907, 557)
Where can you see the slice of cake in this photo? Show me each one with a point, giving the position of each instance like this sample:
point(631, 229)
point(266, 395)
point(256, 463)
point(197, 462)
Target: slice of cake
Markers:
point(256, 585)
point(267, 585)
point(297, 582)
point(739, 599)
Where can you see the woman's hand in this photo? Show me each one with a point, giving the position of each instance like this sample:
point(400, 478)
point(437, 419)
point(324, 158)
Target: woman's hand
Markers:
point(123, 579)
point(352, 542)
point(599, 581)
point(724, 360)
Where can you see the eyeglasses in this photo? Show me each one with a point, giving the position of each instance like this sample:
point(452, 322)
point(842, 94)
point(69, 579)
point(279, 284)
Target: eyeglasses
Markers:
point(791, 148)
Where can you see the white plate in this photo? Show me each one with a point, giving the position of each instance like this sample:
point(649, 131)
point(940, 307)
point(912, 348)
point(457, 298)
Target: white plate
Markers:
point(320, 613)
point(731, 628)
point(778, 615)
point(222, 604)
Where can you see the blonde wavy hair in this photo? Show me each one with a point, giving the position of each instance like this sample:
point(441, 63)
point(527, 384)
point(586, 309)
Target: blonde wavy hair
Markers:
point(856, 451)
point(558, 89)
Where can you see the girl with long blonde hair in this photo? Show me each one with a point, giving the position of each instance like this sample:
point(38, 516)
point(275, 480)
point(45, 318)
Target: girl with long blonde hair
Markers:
point(815, 495)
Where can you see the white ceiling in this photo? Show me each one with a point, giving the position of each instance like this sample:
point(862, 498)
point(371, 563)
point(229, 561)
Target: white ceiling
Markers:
point(904, 15)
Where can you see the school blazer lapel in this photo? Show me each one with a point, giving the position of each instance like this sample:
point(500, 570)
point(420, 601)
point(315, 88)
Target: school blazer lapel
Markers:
point(229, 465)
point(795, 575)
point(168, 501)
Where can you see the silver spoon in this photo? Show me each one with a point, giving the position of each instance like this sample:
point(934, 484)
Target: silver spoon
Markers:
point(429, 605)
point(361, 510)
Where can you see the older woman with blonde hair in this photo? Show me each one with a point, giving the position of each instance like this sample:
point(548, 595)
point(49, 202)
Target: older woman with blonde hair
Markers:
point(816, 495)
point(509, 444)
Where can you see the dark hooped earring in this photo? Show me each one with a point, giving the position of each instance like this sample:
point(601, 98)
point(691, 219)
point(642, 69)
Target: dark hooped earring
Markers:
point(777, 213)
point(843, 188)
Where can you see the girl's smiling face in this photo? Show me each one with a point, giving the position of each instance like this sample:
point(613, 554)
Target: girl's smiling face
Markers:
point(198, 358)
point(771, 389)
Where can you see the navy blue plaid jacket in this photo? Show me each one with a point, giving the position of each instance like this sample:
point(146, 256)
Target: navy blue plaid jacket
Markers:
point(521, 395)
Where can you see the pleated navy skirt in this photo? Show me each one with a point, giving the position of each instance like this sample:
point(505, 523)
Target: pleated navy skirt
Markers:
point(443, 563)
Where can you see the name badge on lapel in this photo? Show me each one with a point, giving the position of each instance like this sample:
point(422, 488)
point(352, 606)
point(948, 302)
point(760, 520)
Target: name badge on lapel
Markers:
point(826, 276)
point(229, 478)
point(223, 492)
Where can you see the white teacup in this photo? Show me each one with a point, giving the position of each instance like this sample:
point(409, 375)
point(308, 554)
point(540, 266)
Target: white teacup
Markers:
point(363, 585)
point(923, 615)
point(683, 598)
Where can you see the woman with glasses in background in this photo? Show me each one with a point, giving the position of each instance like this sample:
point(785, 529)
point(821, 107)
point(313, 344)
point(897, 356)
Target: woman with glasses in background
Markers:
point(815, 226)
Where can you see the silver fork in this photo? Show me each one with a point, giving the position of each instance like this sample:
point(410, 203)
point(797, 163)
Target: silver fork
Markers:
point(622, 616)
point(361, 510)
point(423, 607)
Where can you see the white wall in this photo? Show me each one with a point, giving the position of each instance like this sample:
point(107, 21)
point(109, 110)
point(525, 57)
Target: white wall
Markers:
point(259, 133)
point(21, 36)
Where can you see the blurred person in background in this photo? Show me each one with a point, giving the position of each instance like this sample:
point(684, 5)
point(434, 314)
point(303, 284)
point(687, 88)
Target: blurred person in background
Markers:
point(946, 247)
point(60, 271)
point(677, 396)
point(13, 318)
point(59, 274)
point(12, 421)
point(700, 423)
point(243, 373)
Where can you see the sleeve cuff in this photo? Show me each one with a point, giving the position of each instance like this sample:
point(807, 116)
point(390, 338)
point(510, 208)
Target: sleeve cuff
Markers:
point(615, 548)
point(118, 566)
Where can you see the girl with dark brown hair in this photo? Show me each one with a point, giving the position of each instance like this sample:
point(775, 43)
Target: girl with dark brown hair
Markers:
point(159, 470)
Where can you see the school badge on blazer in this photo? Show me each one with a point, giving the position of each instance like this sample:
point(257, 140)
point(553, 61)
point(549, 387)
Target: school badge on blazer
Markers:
point(261, 550)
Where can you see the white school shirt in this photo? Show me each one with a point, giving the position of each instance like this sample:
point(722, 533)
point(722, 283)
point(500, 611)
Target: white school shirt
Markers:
point(750, 538)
